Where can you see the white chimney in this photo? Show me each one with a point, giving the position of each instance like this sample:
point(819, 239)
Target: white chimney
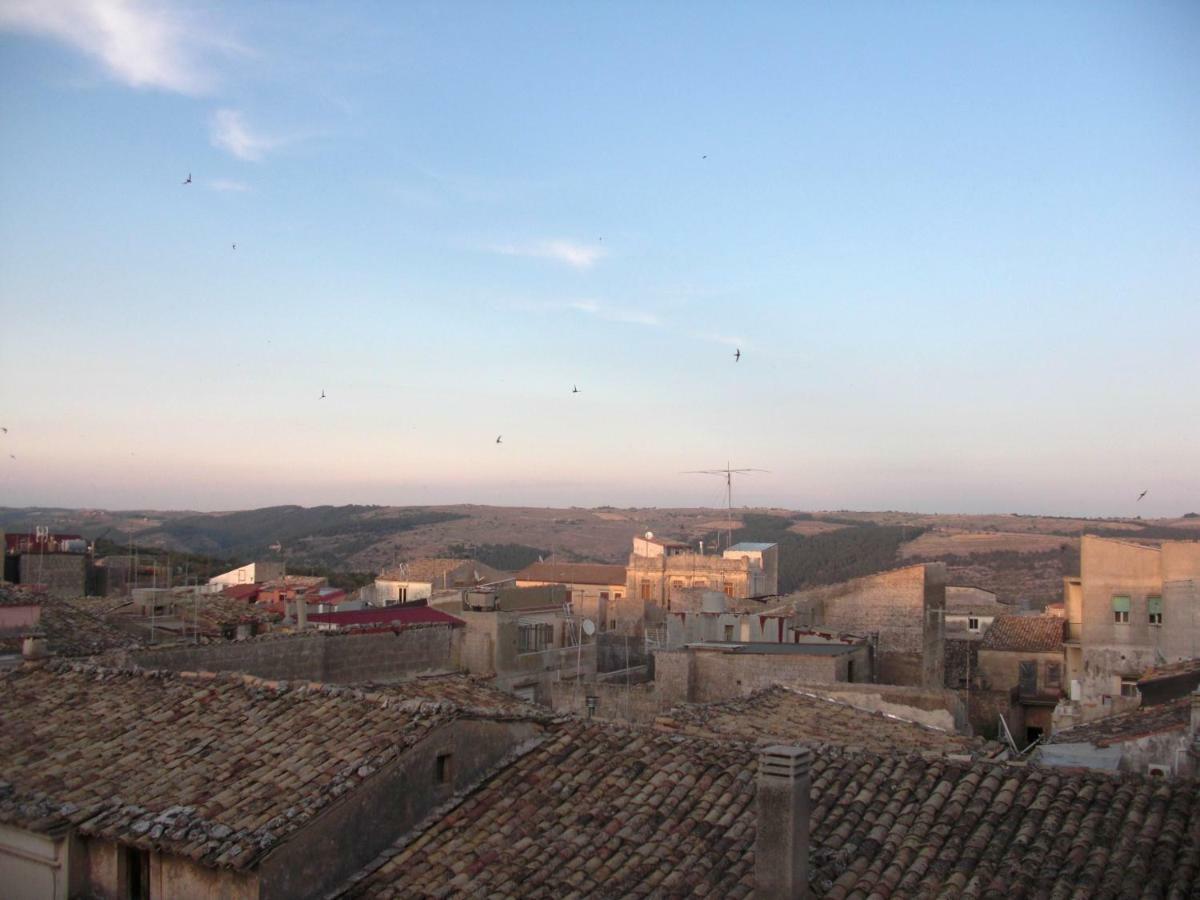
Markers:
point(781, 842)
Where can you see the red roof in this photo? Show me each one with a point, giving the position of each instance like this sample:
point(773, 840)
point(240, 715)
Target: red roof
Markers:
point(387, 615)
point(246, 592)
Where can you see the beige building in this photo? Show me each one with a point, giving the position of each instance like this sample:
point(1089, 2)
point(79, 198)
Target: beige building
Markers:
point(1019, 676)
point(660, 570)
point(970, 611)
point(592, 588)
point(901, 611)
point(524, 639)
point(421, 579)
point(1133, 607)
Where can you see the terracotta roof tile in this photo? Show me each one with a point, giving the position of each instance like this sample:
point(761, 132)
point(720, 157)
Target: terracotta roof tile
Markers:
point(1128, 726)
point(785, 715)
point(186, 763)
point(1032, 634)
point(611, 811)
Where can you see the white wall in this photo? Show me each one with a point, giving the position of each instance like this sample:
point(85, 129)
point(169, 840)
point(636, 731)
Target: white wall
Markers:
point(32, 866)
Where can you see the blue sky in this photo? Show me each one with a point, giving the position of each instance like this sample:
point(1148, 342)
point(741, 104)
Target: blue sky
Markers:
point(958, 246)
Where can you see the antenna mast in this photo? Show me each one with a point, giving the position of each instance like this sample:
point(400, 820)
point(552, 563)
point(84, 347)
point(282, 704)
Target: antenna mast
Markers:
point(727, 473)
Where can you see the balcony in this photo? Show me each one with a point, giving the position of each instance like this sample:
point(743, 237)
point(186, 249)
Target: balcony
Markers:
point(1040, 696)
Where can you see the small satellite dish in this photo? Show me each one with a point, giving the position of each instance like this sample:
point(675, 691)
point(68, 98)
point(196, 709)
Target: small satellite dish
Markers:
point(589, 627)
point(649, 535)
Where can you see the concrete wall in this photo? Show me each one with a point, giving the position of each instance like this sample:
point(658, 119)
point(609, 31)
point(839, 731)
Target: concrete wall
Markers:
point(707, 675)
point(38, 867)
point(353, 831)
point(1110, 650)
point(336, 658)
point(903, 610)
point(615, 652)
point(64, 575)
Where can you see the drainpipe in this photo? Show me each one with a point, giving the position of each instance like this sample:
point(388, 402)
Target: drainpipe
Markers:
point(781, 841)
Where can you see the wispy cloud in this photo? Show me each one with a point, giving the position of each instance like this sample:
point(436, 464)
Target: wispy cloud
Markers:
point(231, 133)
point(228, 186)
point(579, 256)
point(142, 44)
point(615, 313)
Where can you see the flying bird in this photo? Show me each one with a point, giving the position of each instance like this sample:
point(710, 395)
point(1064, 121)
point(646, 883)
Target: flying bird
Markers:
point(189, 178)
point(574, 389)
point(322, 393)
point(498, 438)
point(3, 430)
point(705, 156)
point(1143, 494)
point(235, 246)
point(737, 354)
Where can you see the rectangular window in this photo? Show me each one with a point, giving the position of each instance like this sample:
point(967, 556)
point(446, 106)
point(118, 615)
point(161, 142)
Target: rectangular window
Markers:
point(729, 632)
point(604, 595)
point(618, 595)
point(1027, 677)
point(728, 587)
point(444, 773)
point(972, 623)
point(1154, 610)
point(534, 638)
point(569, 595)
point(1129, 687)
point(1120, 605)
point(1053, 675)
point(402, 595)
point(647, 590)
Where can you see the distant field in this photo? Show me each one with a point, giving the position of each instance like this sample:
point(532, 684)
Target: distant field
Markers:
point(814, 527)
point(938, 543)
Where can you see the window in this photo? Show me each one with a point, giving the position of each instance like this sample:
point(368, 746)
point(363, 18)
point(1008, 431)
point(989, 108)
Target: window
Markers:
point(678, 584)
point(647, 590)
point(972, 623)
point(1053, 675)
point(534, 638)
point(1129, 687)
point(700, 582)
point(444, 773)
point(569, 595)
point(618, 595)
point(1120, 605)
point(1154, 610)
point(850, 670)
point(137, 873)
point(402, 595)
point(604, 595)
point(729, 632)
point(728, 587)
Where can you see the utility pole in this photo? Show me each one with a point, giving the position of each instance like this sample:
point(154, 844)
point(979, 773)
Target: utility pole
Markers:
point(727, 473)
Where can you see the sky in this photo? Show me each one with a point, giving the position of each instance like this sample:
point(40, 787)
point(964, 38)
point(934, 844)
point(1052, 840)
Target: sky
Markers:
point(958, 247)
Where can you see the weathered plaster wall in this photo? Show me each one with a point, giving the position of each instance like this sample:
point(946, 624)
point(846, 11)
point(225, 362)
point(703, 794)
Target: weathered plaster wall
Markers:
point(715, 675)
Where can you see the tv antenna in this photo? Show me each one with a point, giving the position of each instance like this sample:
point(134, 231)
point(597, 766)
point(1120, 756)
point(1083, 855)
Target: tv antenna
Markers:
point(727, 473)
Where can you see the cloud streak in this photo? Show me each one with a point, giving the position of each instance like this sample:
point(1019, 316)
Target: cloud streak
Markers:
point(231, 133)
point(576, 255)
point(141, 44)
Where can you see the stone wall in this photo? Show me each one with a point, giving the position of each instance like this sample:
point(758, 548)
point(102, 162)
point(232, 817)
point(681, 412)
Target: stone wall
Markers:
point(616, 702)
point(615, 651)
point(903, 610)
point(702, 676)
point(329, 657)
point(63, 574)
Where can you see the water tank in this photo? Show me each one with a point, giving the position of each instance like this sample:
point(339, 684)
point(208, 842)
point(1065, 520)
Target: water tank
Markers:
point(74, 545)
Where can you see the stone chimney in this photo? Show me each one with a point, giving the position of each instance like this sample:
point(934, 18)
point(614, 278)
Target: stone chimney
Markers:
point(781, 845)
point(34, 650)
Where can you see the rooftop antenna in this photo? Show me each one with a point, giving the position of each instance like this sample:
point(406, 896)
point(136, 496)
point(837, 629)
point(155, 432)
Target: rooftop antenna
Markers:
point(727, 473)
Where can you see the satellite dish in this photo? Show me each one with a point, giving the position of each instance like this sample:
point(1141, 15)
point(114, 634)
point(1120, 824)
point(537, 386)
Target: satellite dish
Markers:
point(649, 535)
point(589, 627)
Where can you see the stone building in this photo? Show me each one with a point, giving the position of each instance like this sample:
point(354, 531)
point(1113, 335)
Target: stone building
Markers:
point(901, 611)
point(659, 569)
point(1019, 676)
point(130, 784)
point(593, 589)
point(970, 611)
point(421, 579)
point(1133, 607)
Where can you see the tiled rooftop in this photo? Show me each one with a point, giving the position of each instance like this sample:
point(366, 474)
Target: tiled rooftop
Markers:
point(218, 768)
point(573, 573)
point(1172, 670)
point(780, 715)
point(1128, 726)
point(1032, 634)
point(611, 811)
point(70, 630)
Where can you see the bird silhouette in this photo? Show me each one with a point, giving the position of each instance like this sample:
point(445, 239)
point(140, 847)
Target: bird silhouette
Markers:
point(189, 178)
point(322, 393)
point(235, 246)
point(737, 354)
point(1142, 494)
point(705, 156)
point(574, 389)
point(498, 438)
point(3, 430)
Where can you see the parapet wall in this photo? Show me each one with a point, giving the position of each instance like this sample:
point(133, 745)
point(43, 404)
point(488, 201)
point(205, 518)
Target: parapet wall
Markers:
point(327, 657)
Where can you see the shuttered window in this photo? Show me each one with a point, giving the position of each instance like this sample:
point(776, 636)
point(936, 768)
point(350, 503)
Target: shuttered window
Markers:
point(1120, 610)
point(1154, 610)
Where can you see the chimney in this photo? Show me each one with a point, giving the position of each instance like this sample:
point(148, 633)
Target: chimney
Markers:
point(781, 845)
point(33, 650)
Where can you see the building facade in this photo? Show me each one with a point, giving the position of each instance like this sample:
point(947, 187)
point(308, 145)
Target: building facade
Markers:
point(661, 569)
